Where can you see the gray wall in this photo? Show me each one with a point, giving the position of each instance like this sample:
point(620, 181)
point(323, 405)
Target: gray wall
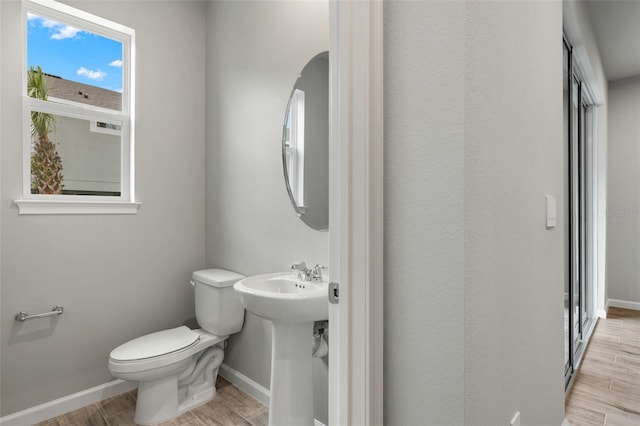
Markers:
point(623, 218)
point(118, 277)
point(514, 266)
point(473, 300)
point(423, 213)
point(254, 52)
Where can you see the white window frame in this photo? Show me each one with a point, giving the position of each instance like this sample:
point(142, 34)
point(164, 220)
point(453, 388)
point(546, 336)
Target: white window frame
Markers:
point(81, 204)
point(295, 151)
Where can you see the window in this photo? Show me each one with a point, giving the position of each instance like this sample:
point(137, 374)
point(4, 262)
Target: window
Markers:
point(77, 112)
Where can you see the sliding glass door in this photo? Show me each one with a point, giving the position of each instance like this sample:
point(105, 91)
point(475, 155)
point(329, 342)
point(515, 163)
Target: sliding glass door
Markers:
point(578, 293)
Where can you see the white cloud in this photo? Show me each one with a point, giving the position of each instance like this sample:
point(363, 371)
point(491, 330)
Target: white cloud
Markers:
point(64, 31)
point(92, 75)
point(59, 31)
point(48, 23)
point(116, 63)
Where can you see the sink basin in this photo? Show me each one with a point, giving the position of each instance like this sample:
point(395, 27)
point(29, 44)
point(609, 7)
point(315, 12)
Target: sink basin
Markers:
point(282, 297)
point(292, 306)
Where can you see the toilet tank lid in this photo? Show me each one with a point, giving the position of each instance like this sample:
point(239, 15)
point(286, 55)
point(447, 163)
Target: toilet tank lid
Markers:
point(217, 277)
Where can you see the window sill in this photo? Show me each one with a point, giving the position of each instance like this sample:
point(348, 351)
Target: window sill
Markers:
point(50, 207)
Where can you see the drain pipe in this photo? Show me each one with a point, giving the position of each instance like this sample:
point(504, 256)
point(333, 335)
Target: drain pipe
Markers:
point(320, 347)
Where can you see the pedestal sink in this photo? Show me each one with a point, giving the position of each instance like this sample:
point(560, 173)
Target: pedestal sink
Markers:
point(292, 306)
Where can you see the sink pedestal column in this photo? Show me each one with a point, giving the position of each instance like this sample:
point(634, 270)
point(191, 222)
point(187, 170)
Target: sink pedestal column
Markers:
point(291, 402)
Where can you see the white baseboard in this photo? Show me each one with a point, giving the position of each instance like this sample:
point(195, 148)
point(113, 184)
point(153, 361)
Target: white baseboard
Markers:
point(250, 387)
point(565, 422)
point(623, 304)
point(245, 384)
point(67, 403)
point(602, 313)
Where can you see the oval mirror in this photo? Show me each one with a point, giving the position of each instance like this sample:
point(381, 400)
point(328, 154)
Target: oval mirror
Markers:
point(305, 144)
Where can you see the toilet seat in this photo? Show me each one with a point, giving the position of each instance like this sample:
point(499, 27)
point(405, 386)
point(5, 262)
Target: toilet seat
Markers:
point(155, 344)
point(127, 368)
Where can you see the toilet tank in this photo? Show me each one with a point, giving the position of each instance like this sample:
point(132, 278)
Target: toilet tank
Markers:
point(218, 308)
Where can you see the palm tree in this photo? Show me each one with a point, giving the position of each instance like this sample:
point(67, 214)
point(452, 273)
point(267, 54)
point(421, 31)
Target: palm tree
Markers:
point(46, 164)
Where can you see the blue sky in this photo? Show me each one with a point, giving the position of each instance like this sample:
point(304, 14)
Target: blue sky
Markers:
point(74, 54)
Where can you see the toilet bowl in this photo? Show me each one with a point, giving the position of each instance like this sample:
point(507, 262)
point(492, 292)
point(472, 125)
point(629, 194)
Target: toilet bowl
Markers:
point(177, 368)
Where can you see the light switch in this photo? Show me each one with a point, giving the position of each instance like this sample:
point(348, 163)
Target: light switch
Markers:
point(551, 211)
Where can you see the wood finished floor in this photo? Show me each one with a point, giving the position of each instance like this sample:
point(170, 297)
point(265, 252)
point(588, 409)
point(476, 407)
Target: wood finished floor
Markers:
point(606, 390)
point(230, 407)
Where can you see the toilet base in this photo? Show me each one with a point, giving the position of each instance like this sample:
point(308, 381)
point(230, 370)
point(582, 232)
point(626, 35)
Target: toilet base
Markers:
point(155, 407)
point(157, 400)
point(165, 398)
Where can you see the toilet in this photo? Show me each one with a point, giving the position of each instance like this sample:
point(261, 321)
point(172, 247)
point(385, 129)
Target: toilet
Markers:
point(177, 368)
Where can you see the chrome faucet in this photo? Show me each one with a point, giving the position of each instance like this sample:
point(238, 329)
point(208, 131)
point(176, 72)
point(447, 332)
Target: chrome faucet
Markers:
point(304, 273)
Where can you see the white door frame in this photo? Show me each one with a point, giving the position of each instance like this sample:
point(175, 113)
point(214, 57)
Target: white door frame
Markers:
point(356, 212)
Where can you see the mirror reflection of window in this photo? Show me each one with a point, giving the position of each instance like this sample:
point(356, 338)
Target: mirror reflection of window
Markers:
point(305, 144)
point(294, 144)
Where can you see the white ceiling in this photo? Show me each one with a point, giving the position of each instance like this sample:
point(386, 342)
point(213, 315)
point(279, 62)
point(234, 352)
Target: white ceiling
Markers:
point(617, 27)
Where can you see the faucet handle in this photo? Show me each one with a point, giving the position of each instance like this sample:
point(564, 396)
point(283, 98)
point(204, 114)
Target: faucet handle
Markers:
point(316, 274)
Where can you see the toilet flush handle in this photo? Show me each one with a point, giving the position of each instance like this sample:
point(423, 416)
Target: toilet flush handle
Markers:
point(192, 282)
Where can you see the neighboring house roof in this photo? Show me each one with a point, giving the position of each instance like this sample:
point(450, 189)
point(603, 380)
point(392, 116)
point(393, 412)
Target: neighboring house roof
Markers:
point(83, 93)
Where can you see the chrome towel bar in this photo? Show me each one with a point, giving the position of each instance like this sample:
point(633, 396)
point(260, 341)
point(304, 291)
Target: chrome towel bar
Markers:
point(23, 316)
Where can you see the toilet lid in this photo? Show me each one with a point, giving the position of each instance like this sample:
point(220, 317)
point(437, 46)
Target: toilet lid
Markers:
point(155, 344)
